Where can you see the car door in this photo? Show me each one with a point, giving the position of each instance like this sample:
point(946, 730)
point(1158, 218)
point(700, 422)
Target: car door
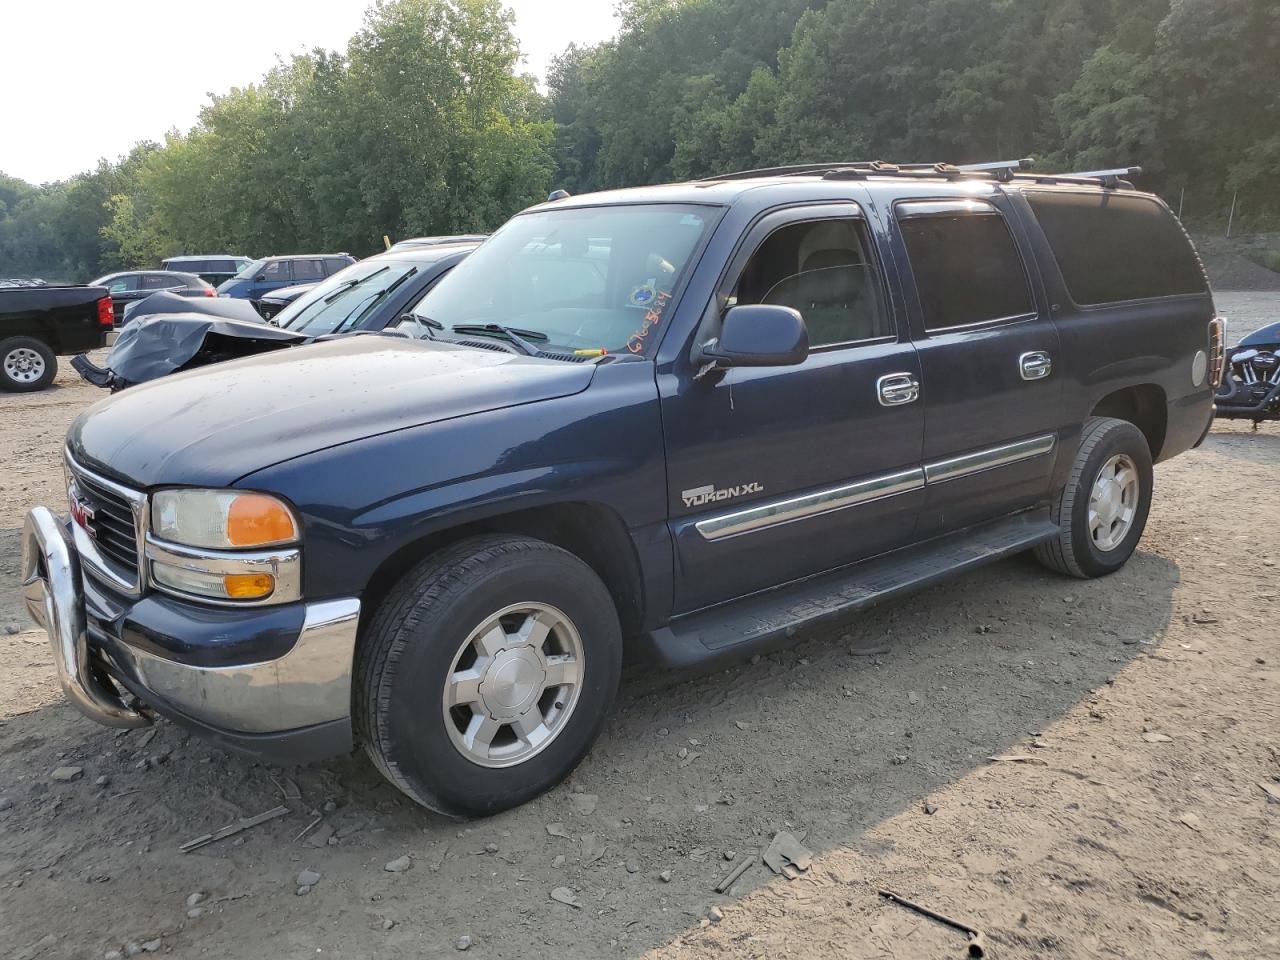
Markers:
point(274, 274)
point(123, 291)
point(776, 473)
point(987, 346)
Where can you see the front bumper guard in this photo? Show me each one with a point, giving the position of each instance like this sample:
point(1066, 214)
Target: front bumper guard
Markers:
point(307, 688)
point(54, 597)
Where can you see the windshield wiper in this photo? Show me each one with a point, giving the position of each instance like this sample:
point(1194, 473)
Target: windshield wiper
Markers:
point(519, 338)
point(421, 321)
point(351, 283)
point(374, 298)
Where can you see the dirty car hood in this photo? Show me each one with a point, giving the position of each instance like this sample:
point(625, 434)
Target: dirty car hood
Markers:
point(213, 425)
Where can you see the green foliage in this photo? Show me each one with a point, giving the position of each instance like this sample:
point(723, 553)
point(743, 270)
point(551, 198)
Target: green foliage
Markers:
point(422, 126)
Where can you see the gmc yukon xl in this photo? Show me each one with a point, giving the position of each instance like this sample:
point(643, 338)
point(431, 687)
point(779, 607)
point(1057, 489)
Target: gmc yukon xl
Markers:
point(672, 424)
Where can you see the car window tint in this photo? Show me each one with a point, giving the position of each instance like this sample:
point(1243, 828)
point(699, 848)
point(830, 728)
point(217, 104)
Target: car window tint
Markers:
point(1112, 248)
point(122, 284)
point(966, 266)
point(824, 269)
point(306, 271)
point(276, 270)
point(159, 281)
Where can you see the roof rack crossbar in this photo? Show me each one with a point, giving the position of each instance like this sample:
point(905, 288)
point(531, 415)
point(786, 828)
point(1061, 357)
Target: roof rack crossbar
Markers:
point(1003, 171)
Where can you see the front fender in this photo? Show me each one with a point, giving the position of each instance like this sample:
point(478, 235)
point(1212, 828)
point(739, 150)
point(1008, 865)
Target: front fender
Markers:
point(363, 502)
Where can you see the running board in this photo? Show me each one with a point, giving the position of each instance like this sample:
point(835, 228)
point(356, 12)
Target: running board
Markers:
point(771, 619)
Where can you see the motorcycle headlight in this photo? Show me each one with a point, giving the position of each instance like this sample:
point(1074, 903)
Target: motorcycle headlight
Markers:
point(222, 519)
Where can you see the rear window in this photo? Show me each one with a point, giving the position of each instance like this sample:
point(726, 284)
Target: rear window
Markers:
point(1111, 247)
point(966, 266)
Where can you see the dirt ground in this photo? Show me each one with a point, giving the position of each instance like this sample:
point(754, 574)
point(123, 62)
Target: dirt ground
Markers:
point(1143, 819)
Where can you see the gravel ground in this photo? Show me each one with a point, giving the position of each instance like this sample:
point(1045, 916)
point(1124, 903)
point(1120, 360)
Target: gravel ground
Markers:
point(1142, 817)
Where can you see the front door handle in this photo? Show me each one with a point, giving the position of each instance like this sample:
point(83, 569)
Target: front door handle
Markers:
point(895, 389)
point(1035, 365)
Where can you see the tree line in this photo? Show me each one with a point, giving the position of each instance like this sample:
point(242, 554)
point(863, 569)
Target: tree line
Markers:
point(424, 124)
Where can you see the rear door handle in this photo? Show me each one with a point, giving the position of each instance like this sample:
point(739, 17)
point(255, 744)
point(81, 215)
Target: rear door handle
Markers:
point(895, 389)
point(1035, 365)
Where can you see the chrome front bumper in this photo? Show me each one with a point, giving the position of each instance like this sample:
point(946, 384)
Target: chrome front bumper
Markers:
point(55, 600)
point(307, 687)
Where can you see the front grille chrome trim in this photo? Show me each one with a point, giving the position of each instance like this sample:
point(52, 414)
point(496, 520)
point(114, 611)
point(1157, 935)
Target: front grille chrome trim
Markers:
point(97, 563)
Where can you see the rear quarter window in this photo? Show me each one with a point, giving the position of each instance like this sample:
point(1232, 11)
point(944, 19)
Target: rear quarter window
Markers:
point(1111, 248)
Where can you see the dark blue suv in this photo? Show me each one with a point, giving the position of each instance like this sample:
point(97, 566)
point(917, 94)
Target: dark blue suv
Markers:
point(674, 424)
point(271, 273)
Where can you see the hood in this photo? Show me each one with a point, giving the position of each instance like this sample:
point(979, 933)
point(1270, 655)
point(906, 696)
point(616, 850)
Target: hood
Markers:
point(213, 425)
point(154, 346)
point(287, 294)
point(233, 288)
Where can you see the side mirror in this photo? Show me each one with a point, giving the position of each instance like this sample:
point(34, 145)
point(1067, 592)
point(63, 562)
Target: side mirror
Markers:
point(758, 335)
point(259, 278)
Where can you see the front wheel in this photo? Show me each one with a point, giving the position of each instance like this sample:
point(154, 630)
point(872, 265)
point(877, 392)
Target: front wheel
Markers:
point(1103, 507)
point(487, 673)
point(26, 364)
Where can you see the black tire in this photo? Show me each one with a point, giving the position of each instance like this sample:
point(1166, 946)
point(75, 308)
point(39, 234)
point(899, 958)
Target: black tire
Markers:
point(16, 364)
point(1074, 552)
point(410, 647)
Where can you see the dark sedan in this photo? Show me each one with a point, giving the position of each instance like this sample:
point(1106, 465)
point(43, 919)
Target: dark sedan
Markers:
point(132, 285)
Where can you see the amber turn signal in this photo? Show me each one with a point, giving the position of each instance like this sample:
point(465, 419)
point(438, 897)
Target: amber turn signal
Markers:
point(248, 586)
point(254, 519)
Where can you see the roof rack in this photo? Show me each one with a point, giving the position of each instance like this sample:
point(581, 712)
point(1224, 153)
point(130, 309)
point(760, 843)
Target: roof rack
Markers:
point(1002, 171)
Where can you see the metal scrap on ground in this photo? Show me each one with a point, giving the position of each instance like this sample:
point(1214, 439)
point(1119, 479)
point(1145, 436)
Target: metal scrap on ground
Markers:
point(786, 855)
point(977, 947)
point(232, 829)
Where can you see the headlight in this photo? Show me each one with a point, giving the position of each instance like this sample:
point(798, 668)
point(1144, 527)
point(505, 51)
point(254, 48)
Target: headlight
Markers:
point(221, 519)
point(226, 546)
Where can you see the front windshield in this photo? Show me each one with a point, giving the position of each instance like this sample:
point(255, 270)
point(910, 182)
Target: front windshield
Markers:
point(585, 278)
point(251, 270)
point(344, 300)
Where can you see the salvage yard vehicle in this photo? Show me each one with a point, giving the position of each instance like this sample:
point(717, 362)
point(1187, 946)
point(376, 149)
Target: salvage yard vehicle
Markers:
point(130, 286)
point(673, 424)
point(1251, 388)
point(260, 277)
point(40, 321)
point(211, 268)
point(166, 335)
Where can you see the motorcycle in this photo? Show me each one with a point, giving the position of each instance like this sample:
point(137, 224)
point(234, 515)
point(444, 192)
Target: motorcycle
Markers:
point(1250, 390)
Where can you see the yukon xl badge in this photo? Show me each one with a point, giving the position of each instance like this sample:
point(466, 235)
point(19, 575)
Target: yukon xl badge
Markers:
point(709, 494)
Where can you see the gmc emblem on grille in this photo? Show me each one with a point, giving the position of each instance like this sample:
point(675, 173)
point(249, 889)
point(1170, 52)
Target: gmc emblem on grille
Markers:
point(81, 514)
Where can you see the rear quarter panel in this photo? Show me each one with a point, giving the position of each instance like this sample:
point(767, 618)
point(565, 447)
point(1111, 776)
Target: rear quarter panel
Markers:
point(1107, 348)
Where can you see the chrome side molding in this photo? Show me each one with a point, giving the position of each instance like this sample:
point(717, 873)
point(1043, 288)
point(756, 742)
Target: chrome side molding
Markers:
point(824, 501)
point(875, 488)
point(989, 459)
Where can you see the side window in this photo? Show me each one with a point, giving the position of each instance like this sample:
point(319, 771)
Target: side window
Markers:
point(122, 284)
point(306, 271)
point(333, 264)
point(276, 270)
point(1112, 247)
point(158, 281)
point(824, 269)
point(967, 268)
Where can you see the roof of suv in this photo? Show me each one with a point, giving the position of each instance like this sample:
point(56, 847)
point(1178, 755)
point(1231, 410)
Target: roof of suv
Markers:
point(830, 182)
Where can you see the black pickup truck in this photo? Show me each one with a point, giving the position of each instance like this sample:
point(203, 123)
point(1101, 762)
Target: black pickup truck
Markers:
point(38, 322)
point(675, 424)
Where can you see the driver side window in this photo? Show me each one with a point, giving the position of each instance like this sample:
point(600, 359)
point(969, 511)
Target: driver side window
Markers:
point(824, 269)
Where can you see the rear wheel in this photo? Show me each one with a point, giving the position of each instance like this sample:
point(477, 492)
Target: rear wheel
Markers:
point(1103, 507)
point(26, 364)
point(487, 673)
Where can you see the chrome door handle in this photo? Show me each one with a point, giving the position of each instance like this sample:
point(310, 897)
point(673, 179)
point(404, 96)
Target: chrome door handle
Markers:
point(1035, 365)
point(895, 389)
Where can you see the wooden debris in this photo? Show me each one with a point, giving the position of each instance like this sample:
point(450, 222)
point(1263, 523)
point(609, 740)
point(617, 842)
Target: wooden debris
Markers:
point(733, 876)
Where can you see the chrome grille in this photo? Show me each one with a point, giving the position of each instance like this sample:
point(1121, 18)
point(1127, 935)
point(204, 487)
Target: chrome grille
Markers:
point(108, 523)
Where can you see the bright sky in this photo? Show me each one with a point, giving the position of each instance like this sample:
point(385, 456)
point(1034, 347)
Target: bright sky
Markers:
point(83, 79)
